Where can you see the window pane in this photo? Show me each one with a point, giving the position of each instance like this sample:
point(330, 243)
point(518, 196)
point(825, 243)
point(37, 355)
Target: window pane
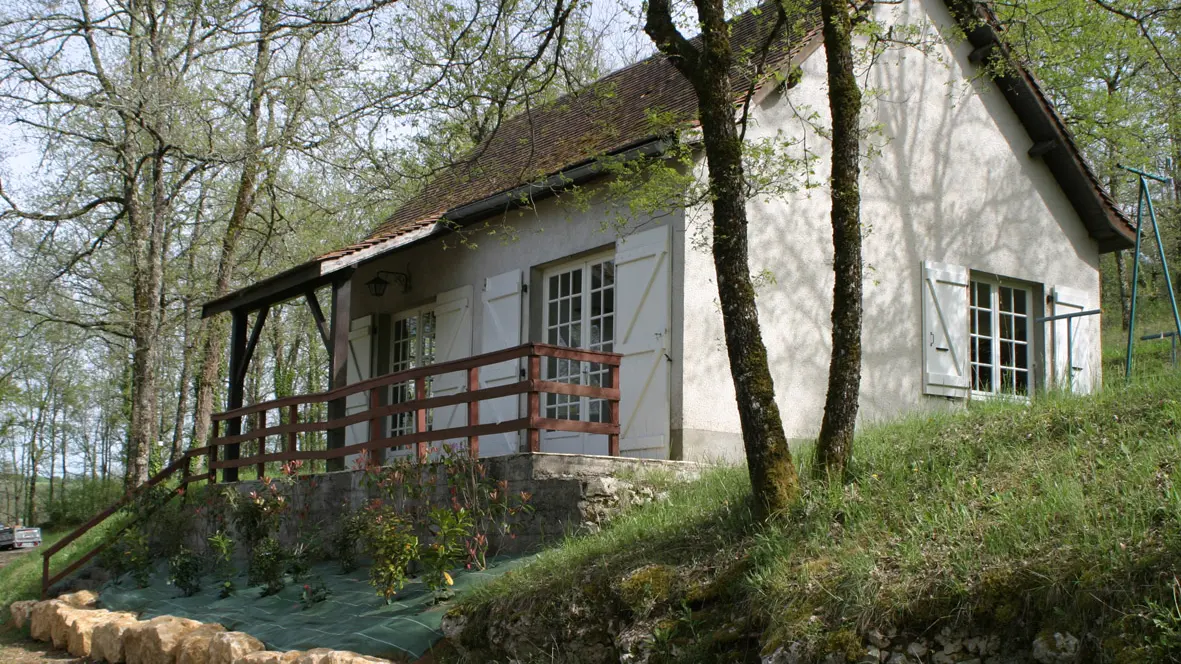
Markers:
point(596, 276)
point(1019, 301)
point(1006, 299)
point(576, 282)
point(609, 273)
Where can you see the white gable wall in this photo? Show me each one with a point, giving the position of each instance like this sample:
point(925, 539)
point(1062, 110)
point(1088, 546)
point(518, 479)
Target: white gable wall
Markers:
point(952, 184)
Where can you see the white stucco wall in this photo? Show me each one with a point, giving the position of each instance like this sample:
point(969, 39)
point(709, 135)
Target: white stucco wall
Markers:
point(952, 183)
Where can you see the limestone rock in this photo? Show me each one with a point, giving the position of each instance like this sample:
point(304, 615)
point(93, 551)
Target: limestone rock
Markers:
point(157, 641)
point(229, 647)
point(313, 656)
point(346, 657)
point(269, 657)
point(80, 630)
point(41, 618)
point(20, 612)
point(83, 599)
point(62, 622)
point(1056, 648)
point(195, 646)
point(106, 642)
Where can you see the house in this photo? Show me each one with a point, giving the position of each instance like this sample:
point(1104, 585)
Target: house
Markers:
point(981, 217)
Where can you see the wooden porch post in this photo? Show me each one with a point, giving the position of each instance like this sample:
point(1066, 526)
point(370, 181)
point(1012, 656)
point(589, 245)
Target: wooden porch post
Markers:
point(342, 295)
point(236, 388)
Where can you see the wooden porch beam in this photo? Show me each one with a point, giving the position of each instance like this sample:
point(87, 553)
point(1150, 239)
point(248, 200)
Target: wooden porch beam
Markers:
point(318, 316)
point(255, 333)
point(342, 295)
point(236, 388)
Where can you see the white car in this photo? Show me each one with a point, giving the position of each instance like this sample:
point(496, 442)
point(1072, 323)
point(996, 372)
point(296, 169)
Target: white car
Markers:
point(19, 538)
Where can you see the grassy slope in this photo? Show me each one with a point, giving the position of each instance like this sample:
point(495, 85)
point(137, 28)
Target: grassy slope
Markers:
point(21, 579)
point(1061, 512)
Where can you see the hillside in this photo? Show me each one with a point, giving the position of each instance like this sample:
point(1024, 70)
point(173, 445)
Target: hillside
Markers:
point(1013, 521)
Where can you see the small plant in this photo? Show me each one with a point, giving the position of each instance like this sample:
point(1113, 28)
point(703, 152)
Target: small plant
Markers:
point(299, 562)
point(268, 561)
point(449, 530)
point(314, 592)
point(184, 571)
point(222, 546)
point(129, 553)
point(391, 542)
point(345, 539)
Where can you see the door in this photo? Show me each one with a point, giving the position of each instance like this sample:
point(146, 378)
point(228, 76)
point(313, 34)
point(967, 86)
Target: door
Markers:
point(1072, 351)
point(579, 312)
point(412, 344)
point(644, 276)
point(358, 368)
point(500, 328)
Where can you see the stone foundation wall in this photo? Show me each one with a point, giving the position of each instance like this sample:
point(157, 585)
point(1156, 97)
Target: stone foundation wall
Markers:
point(569, 493)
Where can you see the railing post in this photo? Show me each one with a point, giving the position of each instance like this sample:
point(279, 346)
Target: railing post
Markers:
point(44, 577)
point(292, 418)
point(534, 408)
point(473, 411)
point(260, 421)
point(186, 470)
point(374, 421)
point(420, 416)
point(211, 456)
point(613, 439)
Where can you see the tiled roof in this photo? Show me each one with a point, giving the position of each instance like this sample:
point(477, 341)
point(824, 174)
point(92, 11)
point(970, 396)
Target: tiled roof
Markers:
point(612, 114)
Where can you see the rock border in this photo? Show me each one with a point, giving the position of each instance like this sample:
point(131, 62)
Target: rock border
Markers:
point(74, 623)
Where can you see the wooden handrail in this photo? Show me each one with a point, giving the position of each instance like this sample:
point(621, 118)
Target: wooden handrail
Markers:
point(532, 386)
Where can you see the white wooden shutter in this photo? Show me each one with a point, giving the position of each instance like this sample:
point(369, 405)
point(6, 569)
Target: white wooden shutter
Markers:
point(643, 292)
point(453, 341)
point(358, 368)
point(945, 329)
point(500, 328)
point(1072, 357)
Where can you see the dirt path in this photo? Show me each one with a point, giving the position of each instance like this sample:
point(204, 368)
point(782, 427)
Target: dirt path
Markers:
point(7, 557)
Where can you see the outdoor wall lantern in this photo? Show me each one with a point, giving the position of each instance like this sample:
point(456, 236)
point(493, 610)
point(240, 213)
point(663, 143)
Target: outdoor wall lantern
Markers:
point(377, 285)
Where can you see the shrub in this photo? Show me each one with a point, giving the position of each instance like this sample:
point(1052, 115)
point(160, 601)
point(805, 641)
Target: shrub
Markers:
point(390, 540)
point(184, 572)
point(299, 562)
point(344, 541)
point(129, 553)
point(314, 592)
point(222, 547)
point(449, 529)
point(268, 561)
point(257, 516)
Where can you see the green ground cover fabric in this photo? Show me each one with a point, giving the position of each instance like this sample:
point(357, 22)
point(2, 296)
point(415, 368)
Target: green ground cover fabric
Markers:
point(353, 617)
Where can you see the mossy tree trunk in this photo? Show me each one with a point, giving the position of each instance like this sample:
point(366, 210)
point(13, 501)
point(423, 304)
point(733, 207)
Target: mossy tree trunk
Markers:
point(707, 68)
point(835, 443)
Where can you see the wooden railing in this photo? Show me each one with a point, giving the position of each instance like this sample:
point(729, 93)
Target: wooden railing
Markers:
point(224, 452)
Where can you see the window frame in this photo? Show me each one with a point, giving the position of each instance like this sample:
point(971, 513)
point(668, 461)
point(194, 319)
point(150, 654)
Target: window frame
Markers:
point(405, 423)
point(1032, 341)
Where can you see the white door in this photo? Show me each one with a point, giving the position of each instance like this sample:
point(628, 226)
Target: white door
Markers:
point(579, 312)
point(358, 368)
point(453, 341)
point(1072, 353)
point(644, 279)
point(500, 328)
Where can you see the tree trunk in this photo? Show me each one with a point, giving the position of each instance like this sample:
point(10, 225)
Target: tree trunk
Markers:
point(213, 331)
point(772, 474)
point(1125, 297)
point(834, 446)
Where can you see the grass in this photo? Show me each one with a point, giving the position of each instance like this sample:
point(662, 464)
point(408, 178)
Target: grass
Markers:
point(21, 578)
point(1062, 513)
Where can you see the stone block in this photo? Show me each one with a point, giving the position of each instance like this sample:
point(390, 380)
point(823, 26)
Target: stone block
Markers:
point(60, 623)
point(80, 627)
point(195, 646)
point(106, 642)
point(83, 599)
point(229, 647)
point(313, 656)
point(20, 612)
point(157, 641)
point(41, 618)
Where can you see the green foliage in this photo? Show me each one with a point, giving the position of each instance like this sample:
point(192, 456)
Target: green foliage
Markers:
point(77, 500)
point(184, 572)
point(349, 531)
point(391, 543)
point(257, 516)
point(299, 562)
point(221, 545)
point(445, 551)
point(129, 553)
point(268, 562)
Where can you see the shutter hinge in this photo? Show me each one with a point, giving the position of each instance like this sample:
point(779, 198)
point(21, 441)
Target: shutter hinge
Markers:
point(524, 288)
